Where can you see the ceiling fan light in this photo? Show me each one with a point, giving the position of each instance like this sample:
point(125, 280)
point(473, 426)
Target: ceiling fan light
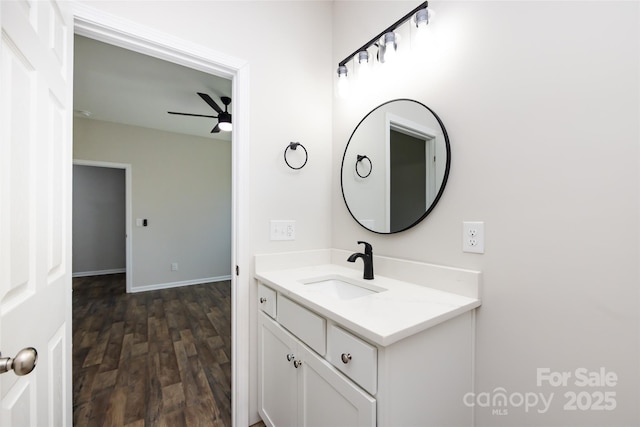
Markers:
point(224, 122)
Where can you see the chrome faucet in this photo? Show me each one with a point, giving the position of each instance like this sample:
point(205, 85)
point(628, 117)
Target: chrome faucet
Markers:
point(367, 258)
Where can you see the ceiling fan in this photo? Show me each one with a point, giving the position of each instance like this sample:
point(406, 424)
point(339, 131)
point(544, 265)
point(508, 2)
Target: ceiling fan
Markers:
point(224, 117)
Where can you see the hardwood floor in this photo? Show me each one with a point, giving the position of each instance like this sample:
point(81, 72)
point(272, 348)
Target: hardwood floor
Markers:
point(158, 358)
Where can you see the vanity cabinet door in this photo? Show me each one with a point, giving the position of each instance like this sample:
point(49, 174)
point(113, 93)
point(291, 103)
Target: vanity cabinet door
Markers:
point(327, 398)
point(278, 391)
point(304, 390)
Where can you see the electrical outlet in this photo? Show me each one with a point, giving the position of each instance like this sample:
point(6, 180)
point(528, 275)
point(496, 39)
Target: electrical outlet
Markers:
point(283, 230)
point(473, 237)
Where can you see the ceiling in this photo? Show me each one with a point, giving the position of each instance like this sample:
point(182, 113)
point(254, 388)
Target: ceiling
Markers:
point(118, 85)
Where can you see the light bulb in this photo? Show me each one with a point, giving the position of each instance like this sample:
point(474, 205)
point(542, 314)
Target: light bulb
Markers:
point(364, 67)
point(389, 47)
point(363, 57)
point(422, 19)
point(343, 82)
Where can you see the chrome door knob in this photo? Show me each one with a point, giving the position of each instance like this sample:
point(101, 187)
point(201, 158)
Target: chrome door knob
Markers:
point(22, 364)
point(297, 363)
point(290, 357)
point(346, 357)
point(263, 300)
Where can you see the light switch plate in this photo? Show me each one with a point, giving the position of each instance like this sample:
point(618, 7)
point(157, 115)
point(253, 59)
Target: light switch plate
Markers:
point(283, 230)
point(473, 237)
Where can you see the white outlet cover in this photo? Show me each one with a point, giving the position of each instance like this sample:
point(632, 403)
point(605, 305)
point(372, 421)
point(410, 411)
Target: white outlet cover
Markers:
point(473, 237)
point(282, 230)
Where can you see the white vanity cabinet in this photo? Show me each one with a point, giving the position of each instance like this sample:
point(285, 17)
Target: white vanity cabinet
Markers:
point(299, 388)
point(314, 371)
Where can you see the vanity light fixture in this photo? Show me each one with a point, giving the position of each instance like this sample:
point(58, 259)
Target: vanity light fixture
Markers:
point(386, 42)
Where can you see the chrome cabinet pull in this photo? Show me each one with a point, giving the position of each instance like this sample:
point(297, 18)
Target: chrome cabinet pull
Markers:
point(346, 357)
point(290, 357)
point(297, 363)
point(263, 300)
point(22, 364)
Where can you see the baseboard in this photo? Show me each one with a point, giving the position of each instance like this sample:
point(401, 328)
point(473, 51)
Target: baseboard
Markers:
point(159, 286)
point(98, 272)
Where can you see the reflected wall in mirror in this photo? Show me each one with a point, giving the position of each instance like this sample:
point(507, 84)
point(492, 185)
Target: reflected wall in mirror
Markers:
point(395, 166)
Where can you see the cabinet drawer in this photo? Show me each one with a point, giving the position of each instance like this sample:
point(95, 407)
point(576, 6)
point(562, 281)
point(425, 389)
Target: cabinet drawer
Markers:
point(361, 358)
point(304, 324)
point(267, 300)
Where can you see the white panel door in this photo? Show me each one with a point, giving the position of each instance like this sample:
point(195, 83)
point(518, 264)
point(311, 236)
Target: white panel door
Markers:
point(36, 70)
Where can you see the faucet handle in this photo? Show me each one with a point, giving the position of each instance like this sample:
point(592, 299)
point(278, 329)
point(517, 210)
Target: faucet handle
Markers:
point(368, 249)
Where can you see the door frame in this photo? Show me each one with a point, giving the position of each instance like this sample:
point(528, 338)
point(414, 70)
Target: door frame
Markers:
point(107, 28)
point(127, 209)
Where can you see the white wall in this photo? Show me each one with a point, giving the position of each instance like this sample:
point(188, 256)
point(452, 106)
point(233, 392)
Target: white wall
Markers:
point(182, 185)
point(541, 102)
point(288, 47)
point(98, 220)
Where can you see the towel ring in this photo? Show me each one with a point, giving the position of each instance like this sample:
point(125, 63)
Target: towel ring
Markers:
point(359, 159)
point(294, 146)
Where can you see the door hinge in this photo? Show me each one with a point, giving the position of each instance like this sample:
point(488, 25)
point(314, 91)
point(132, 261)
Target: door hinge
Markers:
point(237, 270)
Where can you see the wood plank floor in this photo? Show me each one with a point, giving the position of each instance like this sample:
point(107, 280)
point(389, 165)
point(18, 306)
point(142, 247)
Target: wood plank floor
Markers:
point(158, 358)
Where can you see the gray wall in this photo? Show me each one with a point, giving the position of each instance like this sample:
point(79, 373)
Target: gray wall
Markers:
point(98, 220)
point(182, 185)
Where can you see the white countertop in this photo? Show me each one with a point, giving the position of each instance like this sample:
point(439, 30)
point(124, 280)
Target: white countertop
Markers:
point(383, 318)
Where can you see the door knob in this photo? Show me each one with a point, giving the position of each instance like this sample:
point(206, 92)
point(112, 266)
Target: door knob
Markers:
point(22, 364)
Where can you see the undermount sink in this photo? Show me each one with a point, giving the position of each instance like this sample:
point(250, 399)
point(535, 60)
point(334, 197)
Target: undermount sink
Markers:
point(341, 287)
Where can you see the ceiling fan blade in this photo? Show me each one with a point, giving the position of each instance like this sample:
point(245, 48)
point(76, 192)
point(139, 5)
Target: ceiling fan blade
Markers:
point(215, 129)
point(194, 115)
point(210, 101)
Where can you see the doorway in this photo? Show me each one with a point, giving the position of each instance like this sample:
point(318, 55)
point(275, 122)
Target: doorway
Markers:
point(408, 186)
point(104, 27)
point(102, 211)
point(180, 236)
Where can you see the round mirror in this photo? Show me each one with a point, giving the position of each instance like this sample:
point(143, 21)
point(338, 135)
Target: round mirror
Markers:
point(395, 166)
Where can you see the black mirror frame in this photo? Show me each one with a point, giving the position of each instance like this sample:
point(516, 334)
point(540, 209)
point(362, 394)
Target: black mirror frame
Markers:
point(444, 178)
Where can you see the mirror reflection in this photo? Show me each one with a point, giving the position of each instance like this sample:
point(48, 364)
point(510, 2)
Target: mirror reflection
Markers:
point(395, 166)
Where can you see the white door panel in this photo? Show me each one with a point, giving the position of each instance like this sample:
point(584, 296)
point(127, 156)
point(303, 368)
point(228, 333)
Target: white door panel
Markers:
point(35, 201)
